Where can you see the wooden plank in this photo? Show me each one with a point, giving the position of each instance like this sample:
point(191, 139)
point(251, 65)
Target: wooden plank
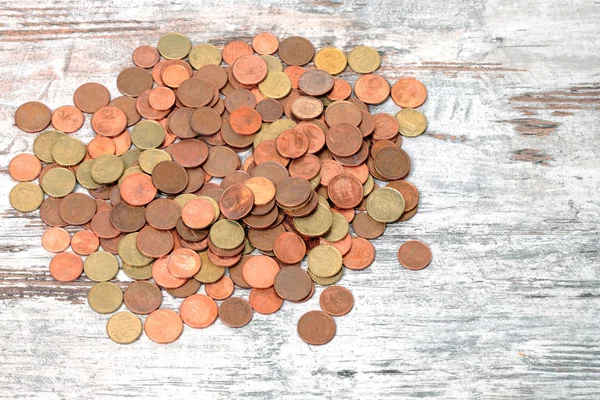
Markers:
point(508, 173)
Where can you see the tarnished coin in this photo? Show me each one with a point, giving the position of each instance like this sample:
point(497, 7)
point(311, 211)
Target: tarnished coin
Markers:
point(316, 327)
point(235, 312)
point(142, 297)
point(33, 117)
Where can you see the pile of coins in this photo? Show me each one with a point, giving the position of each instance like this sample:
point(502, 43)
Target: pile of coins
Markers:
point(180, 207)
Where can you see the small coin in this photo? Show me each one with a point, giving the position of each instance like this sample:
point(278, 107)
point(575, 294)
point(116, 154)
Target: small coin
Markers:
point(124, 328)
point(292, 284)
point(392, 163)
point(68, 151)
point(198, 311)
point(170, 177)
point(44, 143)
point(85, 242)
point(221, 289)
point(366, 227)
point(315, 224)
point(296, 50)
point(414, 255)
point(324, 261)
point(265, 43)
point(56, 240)
point(184, 263)
point(33, 117)
point(385, 204)
point(364, 59)
point(260, 271)
point(345, 191)
point(154, 243)
point(409, 93)
point(129, 252)
point(204, 54)
point(209, 272)
point(101, 266)
point(235, 312)
point(142, 297)
point(331, 59)
point(316, 328)
point(174, 45)
point(336, 301)
point(361, 254)
point(411, 123)
point(90, 97)
point(289, 248)
point(372, 89)
point(265, 301)
point(276, 85)
point(105, 297)
point(163, 326)
point(66, 267)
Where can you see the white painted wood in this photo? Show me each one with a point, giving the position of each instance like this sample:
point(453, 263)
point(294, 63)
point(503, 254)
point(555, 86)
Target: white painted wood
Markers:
point(508, 174)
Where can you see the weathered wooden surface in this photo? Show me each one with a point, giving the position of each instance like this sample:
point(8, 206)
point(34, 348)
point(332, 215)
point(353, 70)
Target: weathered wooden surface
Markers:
point(509, 178)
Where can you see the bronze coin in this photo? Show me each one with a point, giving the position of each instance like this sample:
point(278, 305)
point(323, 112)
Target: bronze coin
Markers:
point(314, 133)
point(345, 191)
point(188, 289)
point(205, 121)
point(235, 312)
point(265, 301)
point(392, 163)
point(145, 56)
point(316, 82)
point(262, 221)
point(142, 106)
point(343, 111)
point(236, 202)
point(234, 139)
point(77, 208)
point(163, 214)
point(316, 327)
point(214, 74)
point(408, 191)
point(195, 92)
point(189, 153)
point(271, 170)
point(221, 161)
point(367, 125)
point(289, 248)
point(154, 243)
point(127, 105)
point(308, 167)
point(127, 218)
point(33, 117)
point(366, 227)
point(305, 209)
point(169, 177)
point(111, 245)
point(264, 239)
point(292, 143)
point(270, 110)
point(344, 139)
point(195, 179)
point(234, 178)
point(179, 125)
point(235, 273)
point(239, 98)
point(336, 301)
point(414, 255)
point(386, 126)
point(361, 254)
point(142, 297)
point(292, 284)
point(355, 159)
point(292, 192)
point(296, 50)
point(49, 212)
point(134, 81)
point(189, 234)
point(102, 226)
point(91, 97)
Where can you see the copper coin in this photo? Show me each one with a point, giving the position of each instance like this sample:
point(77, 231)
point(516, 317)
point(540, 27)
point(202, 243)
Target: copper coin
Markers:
point(85, 242)
point(221, 289)
point(142, 297)
point(344, 139)
point(163, 214)
point(292, 284)
point(239, 98)
point(306, 208)
point(344, 245)
point(102, 226)
point(196, 92)
point(308, 166)
point(414, 255)
point(49, 212)
point(137, 189)
point(162, 276)
point(33, 117)
point(142, 106)
point(189, 234)
point(134, 81)
point(260, 271)
point(198, 311)
point(267, 151)
point(336, 301)
point(127, 218)
point(293, 192)
point(386, 126)
point(306, 107)
point(179, 123)
point(265, 43)
point(77, 208)
point(56, 240)
point(263, 190)
point(341, 90)
point(292, 143)
point(163, 326)
point(189, 153)
point(249, 69)
point(316, 82)
point(265, 301)
point(361, 254)
point(234, 50)
point(235, 312)
point(361, 172)
point(372, 89)
point(315, 135)
point(161, 98)
point(345, 191)
point(174, 74)
point(270, 110)
point(101, 145)
point(111, 245)
point(245, 121)
point(366, 227)
point(198, 214)
point(145, 56)
point(24, 167)
point(128, 106)
point(316, 327)
point(409, 92)
point(289, 248)
point(214, 74)
point(271, 170)
point(188, 289)
point(221, 161)
point(154, 243)
point(205, 121)
point(367, 125)
point(66, 267)
point(236, 202)
point(169, 177)
point(67, 119)
point(109, 121)
point(184, 263)
point(235, 272)
point(234, 178)
point(408, 191)
point(380, 144)
point(222, 261)
point(392, 163)
point(294, 72)
point(90, 97)
point(262, 221)
point(296, 50)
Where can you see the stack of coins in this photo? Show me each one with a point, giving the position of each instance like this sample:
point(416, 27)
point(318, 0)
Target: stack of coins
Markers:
point(224, 168)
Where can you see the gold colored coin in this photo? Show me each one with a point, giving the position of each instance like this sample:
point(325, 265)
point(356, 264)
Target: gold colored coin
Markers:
point(68, 151)
point(147, 134)
point(326, 281)
point(331, 59)
point(364, 59)
point(105, 297)
point(276, 85)
point(214, 204)
point(227, 234)
point(174, 46)
point(84, 175)
point(314, 182)
point(43, 144)
point(248, 248)
point(324, 261)
point(138, 273)
point(129, 171)
point(281, 125)
point(204, 54)
point(151, 157)
point(107, 169)
point(124, 328)
point(273, 63)
point(315, 224)
point(26, 196)
point(325, 203)
point(184, 198)
point(209, 272)
point(101, 266)
point(368, 186)
point(385, 205)
point(129, 253)
point(264, 135)
point(411, 123)
point(130, 157)
point(339, 228)
point(58, 182)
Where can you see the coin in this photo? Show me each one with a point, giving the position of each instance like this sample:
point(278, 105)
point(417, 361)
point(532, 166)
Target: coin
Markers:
point(409, 93)
point(174, 45)
point(316, 328)
point(361, 254)
point(90, 97)
point(33, 117)
point(345, 191)
point(129, 252)
point(198, 311)
point(26, 197)
point(316, 82)
point(331, 59)
point(408, 191)
point(289, 248)
point(186, 290)
point(67, 119)
point(324, 261)
point(276, 85)
point(265, 43)
point(235, 312)
point(385, 205)
point(292, 284)
point(85, 242)
point(162, 276)
point(142, 297)
point(154, 243)
point(209, 272)
point(366, 227)
point(56, 240)
point(336, 301)
point(124, 328)
point(315, 224)
point(364, 59)
point(127, 218)
point(105, 297)
point(101, 266)
point(137, 189)
point(372, 89)
point(265, 301)
point(296, 50)
point(163, 326)
point(414, 255)
point(66, 267)
point(260, 271)
point(68, 151)
point(221, 289)
point(134, 81)
point(44, 143)
point(411, 122)
point(204, 54)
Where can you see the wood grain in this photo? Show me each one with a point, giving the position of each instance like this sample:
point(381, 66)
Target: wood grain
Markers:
point(508, 173)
